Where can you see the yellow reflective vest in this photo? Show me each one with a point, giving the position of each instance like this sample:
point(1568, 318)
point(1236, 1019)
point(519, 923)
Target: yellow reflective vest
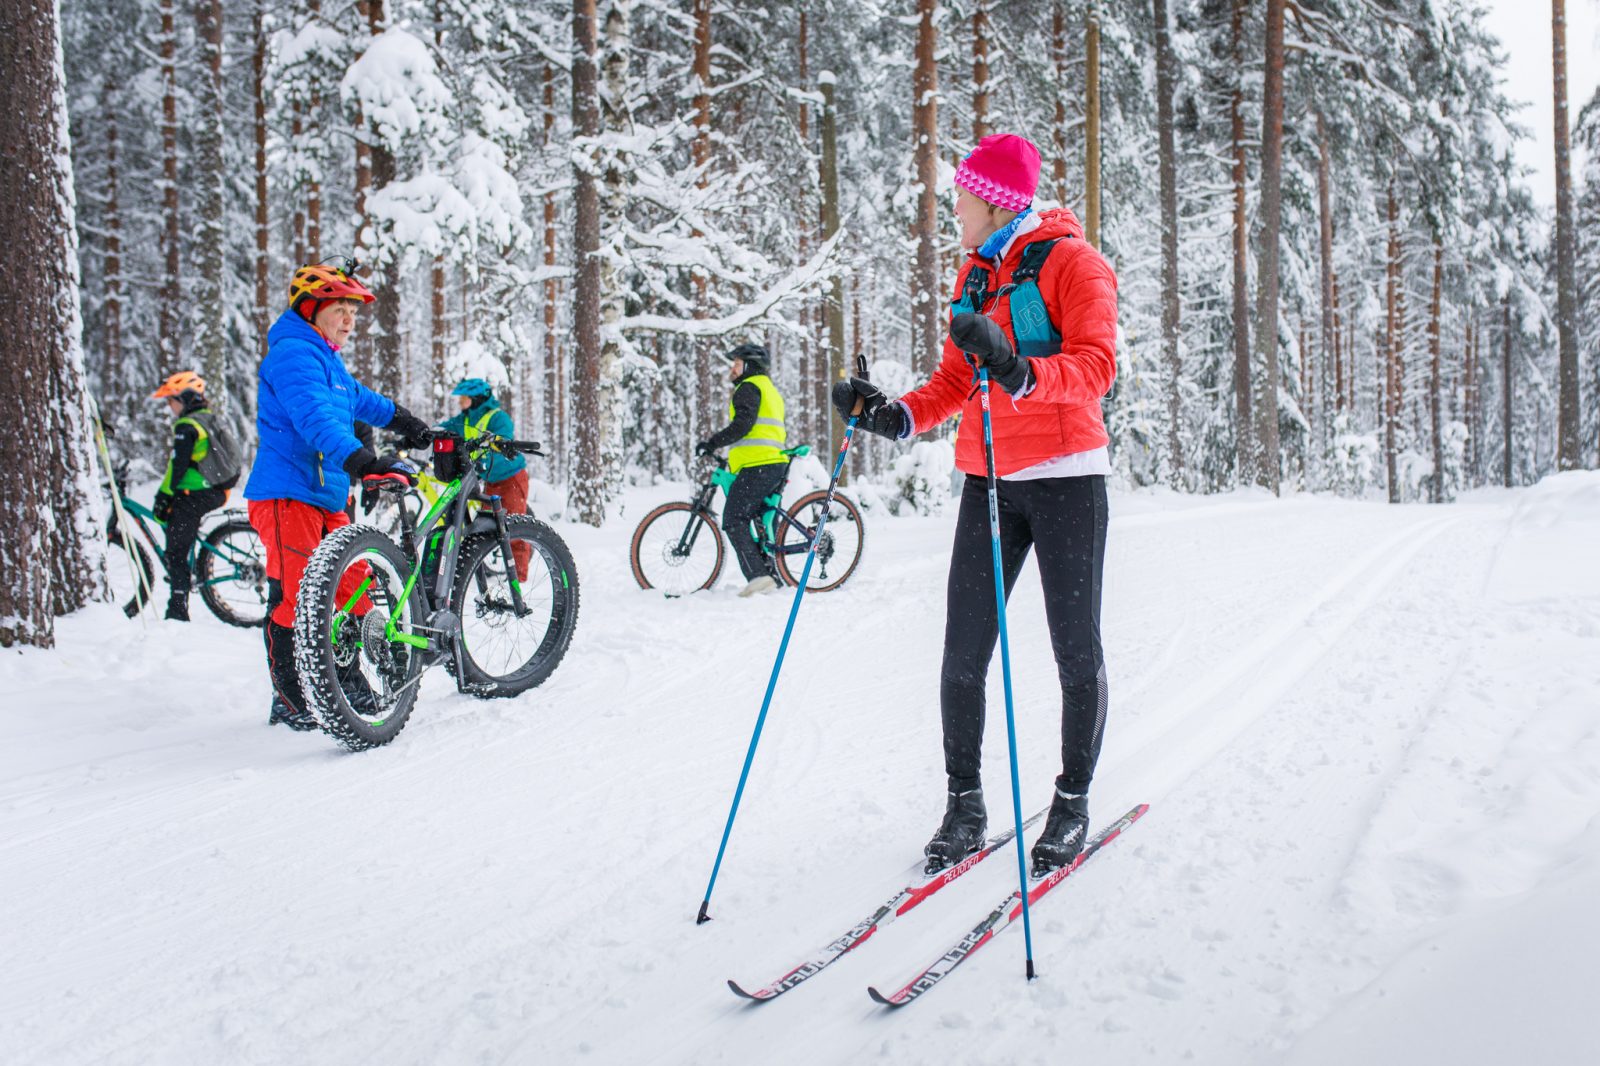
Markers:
point(764, 443)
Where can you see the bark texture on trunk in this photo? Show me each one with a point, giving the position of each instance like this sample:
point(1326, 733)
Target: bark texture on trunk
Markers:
point(1091, 126)
point(926, 290)
point(167, 313)
point(211, 338)
point(1569, 432)
point(1171, 337)
point(1244, 419)
point(262, 309)
point(1266, 346)
point(36, 214)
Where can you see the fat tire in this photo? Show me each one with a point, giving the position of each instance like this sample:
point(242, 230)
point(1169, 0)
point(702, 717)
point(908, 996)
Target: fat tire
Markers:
point(666, 509)
point(547, 543)
point(794, 515)
point(313, 650)
point(208, 590)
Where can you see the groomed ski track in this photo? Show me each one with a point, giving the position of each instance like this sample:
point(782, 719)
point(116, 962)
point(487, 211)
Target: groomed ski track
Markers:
point(1369, 736)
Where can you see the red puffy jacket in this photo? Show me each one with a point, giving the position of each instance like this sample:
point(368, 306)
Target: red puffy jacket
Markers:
point(1061, 415)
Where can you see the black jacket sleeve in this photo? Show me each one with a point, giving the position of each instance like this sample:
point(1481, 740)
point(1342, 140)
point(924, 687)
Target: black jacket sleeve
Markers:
point(184, 438)
point(746, 404)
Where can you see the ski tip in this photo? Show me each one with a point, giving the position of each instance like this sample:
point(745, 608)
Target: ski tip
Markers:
point(881, 999)
point(741, 993)
point(703, 917)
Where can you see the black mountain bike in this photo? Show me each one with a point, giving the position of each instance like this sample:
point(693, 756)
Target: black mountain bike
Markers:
point(678, 548)
point(493, 596)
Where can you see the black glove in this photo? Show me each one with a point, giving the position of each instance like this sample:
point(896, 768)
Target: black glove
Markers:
point(363, 464)
point(987, 344)
point(704, 448)
point(163, 507)
point(412, 431)
point(878, 415)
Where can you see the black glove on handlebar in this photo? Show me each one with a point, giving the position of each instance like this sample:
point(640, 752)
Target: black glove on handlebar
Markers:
point(362, 464)
point(704, 448)
point(412, 431)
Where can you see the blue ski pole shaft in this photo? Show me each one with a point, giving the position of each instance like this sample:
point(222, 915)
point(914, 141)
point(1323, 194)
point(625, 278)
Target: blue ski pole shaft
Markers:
point(1005, 660)
point(777, 665)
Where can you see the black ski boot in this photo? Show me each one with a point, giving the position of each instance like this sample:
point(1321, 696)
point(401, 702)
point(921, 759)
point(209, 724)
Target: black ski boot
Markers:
point(962, 831)
point(288, 705)
point(299, 721)
point(178, 607)
point(1065, 832)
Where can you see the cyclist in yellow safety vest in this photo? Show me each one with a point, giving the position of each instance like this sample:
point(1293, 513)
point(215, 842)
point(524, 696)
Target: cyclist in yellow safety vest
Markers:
point(754, 438)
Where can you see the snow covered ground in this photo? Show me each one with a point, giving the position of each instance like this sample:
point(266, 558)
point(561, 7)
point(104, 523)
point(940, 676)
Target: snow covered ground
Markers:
point(1370, 736)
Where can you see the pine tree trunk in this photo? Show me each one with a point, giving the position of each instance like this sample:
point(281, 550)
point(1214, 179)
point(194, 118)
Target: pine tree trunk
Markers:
point(261, 317)
point(1569, 432)
point(1435, 379)
point(314, 144)
point(980, 70)
point(830, 215)
point(1506, 384)
point(1339, 369)
point(586, 493)
point(1166, 86)
point(1091, 126)
point(385, 369)
point(438, 350)
point(1391, 348)
point(113, 373)
point(1328, 343)
point(167, 326)
point(1469, 403)
point(36, 214)
point(708, 362)
point(1058, 53)
point(555, 399)
point(1266, 346)
point(1244, 426)
point(297, 220)
point(925, 287)
point(211, 338)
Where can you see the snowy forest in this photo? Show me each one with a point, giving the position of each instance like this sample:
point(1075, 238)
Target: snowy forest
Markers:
point(1332, 274)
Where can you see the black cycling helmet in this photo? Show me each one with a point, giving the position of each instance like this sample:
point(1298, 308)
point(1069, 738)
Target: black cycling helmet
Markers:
point(756, 357)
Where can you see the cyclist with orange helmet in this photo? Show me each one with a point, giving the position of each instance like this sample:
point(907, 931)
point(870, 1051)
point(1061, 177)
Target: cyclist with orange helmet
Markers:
point(307, 407)
point(204, 465)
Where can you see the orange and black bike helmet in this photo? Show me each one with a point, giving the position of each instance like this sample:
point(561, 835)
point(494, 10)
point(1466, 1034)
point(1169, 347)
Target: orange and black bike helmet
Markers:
point(321, 282)
point(178, 384)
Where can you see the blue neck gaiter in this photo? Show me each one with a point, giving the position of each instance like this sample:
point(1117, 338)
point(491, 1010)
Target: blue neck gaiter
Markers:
point(997, 240)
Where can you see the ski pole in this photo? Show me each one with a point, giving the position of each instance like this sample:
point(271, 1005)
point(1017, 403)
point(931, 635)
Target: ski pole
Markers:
point(1005, 657)
point(141, 583)
point(783, 647)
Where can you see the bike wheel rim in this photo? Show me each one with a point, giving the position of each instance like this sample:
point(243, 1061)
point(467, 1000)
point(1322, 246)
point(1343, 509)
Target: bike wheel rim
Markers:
point(500, 644)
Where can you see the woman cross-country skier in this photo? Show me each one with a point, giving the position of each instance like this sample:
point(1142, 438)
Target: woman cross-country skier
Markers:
point(1038, 306)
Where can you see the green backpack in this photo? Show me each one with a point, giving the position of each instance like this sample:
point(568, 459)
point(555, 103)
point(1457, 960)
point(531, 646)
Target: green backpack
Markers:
point(219, 460)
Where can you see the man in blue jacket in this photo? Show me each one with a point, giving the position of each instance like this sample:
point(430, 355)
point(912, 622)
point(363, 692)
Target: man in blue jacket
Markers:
point(306, 410)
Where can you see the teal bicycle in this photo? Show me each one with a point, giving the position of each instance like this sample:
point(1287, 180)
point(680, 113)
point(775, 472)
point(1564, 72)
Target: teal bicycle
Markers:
point(228, 561)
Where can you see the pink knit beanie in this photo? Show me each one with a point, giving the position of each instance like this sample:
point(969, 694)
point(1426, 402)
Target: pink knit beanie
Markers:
point(1003, 170)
